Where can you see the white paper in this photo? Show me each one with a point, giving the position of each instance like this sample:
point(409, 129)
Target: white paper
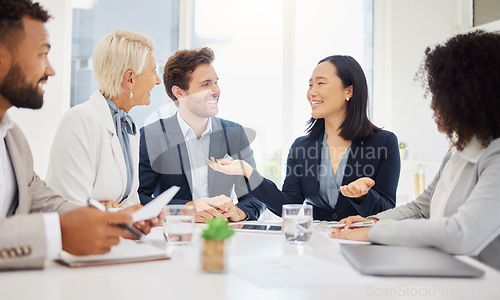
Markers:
point(153, 208)
point(295, 271)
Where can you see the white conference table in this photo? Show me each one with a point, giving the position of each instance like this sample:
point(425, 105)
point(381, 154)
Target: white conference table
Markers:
point(180, 277)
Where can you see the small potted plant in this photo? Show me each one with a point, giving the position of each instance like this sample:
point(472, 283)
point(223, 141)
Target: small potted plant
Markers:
point(213, 254)
point(403, 150)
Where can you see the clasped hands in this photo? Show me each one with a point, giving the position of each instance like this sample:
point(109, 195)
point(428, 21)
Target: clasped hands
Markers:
point(221, 206)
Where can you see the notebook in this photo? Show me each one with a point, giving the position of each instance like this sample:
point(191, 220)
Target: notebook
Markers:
point(407, 261)
point(127, 251)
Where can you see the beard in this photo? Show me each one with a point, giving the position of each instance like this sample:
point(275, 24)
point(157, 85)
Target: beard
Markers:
point(18, 92)
point(197, 105)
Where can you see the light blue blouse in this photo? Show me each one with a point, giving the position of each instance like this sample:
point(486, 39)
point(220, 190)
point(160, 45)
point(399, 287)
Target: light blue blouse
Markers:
point(330, 183)
point(124, 126)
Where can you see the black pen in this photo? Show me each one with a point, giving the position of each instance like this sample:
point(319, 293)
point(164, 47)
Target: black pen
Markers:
point(138, 234)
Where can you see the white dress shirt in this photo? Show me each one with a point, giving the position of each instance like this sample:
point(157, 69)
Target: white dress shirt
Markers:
point(8, 188)
point(198, 150)
point(451, 174)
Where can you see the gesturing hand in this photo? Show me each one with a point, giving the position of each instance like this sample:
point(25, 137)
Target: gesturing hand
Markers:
point(230, 167)
point(357, 188)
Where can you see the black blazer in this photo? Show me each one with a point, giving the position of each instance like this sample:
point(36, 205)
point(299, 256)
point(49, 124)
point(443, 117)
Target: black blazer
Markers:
point(164, 162)
point(376, 157)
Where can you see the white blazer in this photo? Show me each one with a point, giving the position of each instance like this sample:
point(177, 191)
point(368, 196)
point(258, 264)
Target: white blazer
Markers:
point(86, 159)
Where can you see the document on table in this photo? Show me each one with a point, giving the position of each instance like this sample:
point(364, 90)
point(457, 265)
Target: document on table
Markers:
point(294, 271)
point(127, 251)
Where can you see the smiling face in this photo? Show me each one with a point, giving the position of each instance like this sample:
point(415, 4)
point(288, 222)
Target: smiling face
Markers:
point(29, 70)
point(145, 82)
point(201, 99)
point(327, 94)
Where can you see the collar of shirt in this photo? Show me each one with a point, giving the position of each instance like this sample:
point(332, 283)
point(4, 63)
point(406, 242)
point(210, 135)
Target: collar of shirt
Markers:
point(188, 132)
point(5, 124)
point(471, 152)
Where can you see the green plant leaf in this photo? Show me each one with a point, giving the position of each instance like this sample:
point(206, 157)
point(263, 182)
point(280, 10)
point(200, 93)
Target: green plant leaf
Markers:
point(218, 229)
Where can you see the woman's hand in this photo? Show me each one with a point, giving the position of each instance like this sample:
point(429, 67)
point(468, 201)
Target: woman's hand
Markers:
point(352, 219)
point(358, 234)
point(108, 203)
point(230, 167)
point(358, 188)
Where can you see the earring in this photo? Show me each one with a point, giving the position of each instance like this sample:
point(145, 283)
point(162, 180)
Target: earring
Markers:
point(347, 99)
point(131, 94)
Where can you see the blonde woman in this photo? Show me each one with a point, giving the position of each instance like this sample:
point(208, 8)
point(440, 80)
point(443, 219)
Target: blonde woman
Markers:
point(95, 150)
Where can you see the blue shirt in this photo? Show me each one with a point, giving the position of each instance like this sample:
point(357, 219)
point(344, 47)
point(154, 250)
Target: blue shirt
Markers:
point(330, 183)
point(124, 126)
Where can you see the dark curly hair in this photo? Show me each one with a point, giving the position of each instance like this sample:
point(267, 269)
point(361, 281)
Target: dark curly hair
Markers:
point(356, 123)
point(11, 14)
point(180, 66)
point(463, 78)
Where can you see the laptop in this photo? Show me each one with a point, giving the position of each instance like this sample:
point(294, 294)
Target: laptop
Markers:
point(407, 261)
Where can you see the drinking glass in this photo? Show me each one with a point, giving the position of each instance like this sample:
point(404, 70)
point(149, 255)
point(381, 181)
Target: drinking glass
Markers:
point(297, 222)
point(178, 223)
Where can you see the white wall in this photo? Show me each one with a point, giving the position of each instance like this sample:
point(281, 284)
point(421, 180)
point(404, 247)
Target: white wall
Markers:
point(39, 126)
point(402, 31)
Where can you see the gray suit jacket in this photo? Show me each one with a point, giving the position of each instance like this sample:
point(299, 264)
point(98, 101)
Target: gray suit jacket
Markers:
point(471, 223)
point(164, 162)
point(22, 235)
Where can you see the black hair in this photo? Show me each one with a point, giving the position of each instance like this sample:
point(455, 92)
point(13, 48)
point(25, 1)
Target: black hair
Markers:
point(356, 123)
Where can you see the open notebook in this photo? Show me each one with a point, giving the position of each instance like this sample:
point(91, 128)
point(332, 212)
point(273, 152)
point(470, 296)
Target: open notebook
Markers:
point(127, 251)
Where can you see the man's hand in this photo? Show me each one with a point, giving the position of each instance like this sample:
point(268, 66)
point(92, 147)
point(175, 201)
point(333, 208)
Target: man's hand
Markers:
point(358, 188)
point(209, 208)
point(87, 230)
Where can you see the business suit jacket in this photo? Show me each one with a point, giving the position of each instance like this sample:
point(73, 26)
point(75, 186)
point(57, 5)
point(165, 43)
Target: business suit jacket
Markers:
point(471, 223)
point(86, 159)
point(25, 228)
point(164, 162)
point(376, 157)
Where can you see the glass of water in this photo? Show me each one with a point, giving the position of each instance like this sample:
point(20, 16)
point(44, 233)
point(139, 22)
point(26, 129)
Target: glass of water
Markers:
point(297, 222)
point(178, 223)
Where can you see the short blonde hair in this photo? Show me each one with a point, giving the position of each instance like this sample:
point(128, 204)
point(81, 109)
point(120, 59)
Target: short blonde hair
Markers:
point(116, 53)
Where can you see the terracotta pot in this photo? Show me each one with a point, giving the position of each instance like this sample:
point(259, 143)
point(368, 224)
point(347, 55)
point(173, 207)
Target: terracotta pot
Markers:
point(213, 256)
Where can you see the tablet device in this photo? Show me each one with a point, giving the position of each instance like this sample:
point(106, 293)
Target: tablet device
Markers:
point(407, 261)
point(263, 228)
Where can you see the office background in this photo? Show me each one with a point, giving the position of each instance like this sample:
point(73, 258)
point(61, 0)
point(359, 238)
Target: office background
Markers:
point(265, 53)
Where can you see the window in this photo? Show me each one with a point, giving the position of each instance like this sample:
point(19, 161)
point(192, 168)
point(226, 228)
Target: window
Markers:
point(265, 52)
point(93, 19)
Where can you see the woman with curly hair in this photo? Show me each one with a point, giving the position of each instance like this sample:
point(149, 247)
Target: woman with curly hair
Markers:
point(458, 212)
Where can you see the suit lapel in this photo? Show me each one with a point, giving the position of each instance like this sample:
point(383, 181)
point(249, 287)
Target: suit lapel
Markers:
point(22, 195)
point(217, 150)
point(175, 140)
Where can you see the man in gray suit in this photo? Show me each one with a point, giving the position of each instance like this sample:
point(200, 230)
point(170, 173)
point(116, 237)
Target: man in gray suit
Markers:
point(173, 150)
point(31, 230)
